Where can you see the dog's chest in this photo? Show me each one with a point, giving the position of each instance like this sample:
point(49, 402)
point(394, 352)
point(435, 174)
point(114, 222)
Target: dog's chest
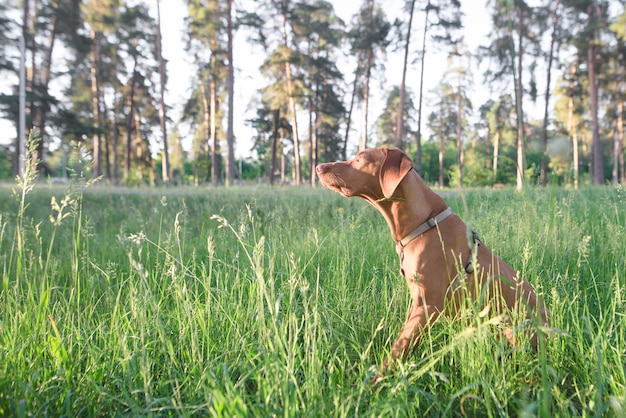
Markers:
point(434, 261)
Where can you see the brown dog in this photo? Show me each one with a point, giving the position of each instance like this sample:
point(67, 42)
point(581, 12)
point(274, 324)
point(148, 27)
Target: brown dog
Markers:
point(439, 257)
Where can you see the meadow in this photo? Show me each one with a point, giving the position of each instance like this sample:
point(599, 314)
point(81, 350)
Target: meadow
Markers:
point(258, 301)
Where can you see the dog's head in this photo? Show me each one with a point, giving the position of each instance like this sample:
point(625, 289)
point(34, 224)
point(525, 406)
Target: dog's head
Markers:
point(374, 173)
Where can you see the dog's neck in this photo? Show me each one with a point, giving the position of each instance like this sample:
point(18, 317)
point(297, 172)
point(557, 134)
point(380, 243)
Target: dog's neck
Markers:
point(412, 204)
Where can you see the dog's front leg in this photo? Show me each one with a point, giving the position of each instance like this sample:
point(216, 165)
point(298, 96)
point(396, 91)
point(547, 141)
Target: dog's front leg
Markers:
point(420, 316)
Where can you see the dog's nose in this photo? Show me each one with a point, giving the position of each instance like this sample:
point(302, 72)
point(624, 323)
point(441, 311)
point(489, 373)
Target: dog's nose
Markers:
point(321, 168)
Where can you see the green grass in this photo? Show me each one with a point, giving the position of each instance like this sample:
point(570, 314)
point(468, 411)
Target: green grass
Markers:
point(279, 302)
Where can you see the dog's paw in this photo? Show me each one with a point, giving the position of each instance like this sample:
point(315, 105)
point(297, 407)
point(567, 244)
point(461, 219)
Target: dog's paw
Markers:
point(378, 377)
point(375, 383)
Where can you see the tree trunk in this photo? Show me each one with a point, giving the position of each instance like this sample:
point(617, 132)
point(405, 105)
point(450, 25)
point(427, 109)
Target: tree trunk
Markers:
point(400, 119)
point(496, 150)
point(206, 123)
point(297, 170)
point(138, 147)
point(106, 142)
point(488, 146)
point(349, 121)
point(312, 175)
point(620, 131)
point(283, 165)
point(30, 16)
point(597, 168)
point(521, 164)
point(418, 156)
point(366, 94)
point(44, 81)
point(459, 130)
point(162, 111)
point(95, 105)
point(19, 155)
point(618, 143)
point(130, 106)
point(212, 107)
point(230, 81)
point(114, 145)
point(369, 58)
point(274, 145)
point(314, 146)
point(571, 128)
point(544, 131)
point(441, 151)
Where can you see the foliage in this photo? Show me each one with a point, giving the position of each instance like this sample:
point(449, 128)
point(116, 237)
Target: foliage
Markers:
point(100, 104)
point(6, 162)
point(619, 26)
point(386, 122)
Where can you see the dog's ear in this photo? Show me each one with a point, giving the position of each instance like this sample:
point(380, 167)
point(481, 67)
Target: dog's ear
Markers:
point(396, 165)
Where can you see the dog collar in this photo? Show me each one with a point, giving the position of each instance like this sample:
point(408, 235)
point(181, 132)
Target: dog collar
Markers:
point(429, 224)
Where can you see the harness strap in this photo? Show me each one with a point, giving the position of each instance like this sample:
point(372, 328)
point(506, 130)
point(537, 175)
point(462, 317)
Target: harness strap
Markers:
point(429, 224)
point(426, 226)
point(421, 229)
point(469, 267)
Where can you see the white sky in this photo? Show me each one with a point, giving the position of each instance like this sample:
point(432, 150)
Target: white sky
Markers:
point(248, 78)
